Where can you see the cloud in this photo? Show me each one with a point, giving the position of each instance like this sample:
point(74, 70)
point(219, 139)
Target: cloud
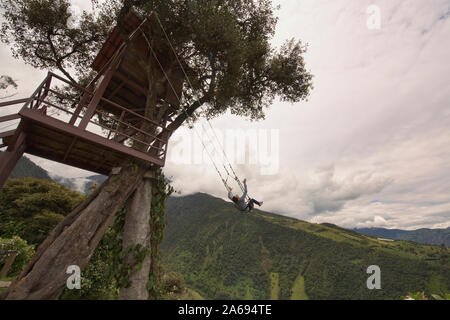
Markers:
point(330, 193)
point(390, 215)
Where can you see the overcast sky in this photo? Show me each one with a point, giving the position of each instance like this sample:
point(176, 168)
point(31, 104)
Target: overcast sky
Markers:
point(371, 146)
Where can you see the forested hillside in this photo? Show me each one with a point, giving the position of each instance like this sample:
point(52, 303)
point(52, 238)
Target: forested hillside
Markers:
point(30, 208)
point(27, 168)
point(429, 236)
point(225, 254)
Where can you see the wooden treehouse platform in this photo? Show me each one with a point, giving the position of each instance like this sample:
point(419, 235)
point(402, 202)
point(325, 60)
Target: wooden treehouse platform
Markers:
point(98, 127)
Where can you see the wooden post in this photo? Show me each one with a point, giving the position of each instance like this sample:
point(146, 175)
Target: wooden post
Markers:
point(98, 94)
point(166, 139)
point(12, 155)
point(96, 99)
point(83, 101)
point(41, 96)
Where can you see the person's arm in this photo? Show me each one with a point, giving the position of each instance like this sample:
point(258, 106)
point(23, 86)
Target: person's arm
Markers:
point(245, 190)
point(230, 195)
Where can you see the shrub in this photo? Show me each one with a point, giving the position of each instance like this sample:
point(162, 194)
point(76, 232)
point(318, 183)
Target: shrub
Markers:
point(25, 252)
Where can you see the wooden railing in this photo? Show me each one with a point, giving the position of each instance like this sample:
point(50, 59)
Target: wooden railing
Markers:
point(7, 127)
point(61, 99)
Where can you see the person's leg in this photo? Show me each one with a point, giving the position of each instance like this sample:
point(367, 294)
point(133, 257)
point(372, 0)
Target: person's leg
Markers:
point(255, 201)
point(250, 205)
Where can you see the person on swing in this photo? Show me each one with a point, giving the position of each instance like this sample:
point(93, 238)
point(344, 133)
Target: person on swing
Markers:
point(240, 202)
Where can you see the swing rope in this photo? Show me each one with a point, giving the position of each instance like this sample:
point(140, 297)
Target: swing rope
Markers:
point(192, 87)
point(224, 181)
point(226, 158)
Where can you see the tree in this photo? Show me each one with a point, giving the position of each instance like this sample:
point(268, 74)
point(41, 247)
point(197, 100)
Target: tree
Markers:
point(225, 50)
point(24, 254)
point(30, 208)
point(5, 83)
point(45, 34)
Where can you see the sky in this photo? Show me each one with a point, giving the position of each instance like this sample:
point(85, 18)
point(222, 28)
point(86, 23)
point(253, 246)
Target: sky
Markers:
point(370, 147)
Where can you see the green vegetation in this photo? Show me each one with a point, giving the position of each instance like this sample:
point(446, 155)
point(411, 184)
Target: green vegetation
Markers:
point(191, 295)
point(274, 286)
point(8, 279)
point(212, 251)
point(26, 168)
point(108, 271)
point(422, 296)
point(224, 254)
point(25, 252)
point(298, 290)
point(30, 208)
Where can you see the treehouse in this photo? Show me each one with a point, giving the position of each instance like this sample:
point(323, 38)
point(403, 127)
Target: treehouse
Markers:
point(99, 126)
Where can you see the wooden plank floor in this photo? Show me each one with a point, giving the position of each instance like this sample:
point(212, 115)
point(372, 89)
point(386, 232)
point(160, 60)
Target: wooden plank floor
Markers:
point(58, 141)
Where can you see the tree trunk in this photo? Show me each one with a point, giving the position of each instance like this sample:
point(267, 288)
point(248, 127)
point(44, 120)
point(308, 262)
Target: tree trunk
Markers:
point(9, 262)
point(137, 231)
point(74, 240)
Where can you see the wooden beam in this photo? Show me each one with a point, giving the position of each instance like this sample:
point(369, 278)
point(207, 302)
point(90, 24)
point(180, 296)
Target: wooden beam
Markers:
point(96, 99)
point(98, 94)
point(83, 101)
point(9, 118)
point(131, 83)
point(88, 136)
point(119, 137)
point(7, 133)
point(74, 140)
point(11, 156)
point(11, 102)
point(112, 94)
point(120, 100)
point(70, 162)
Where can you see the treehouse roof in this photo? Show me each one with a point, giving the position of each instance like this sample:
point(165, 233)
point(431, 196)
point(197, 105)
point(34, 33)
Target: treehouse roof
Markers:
point(129, 83)
point(130, 23)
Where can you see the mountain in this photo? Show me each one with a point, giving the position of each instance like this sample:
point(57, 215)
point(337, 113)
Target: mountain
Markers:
point(82, 184)
point(429, 236)
point(27, 168)
point(226, 254)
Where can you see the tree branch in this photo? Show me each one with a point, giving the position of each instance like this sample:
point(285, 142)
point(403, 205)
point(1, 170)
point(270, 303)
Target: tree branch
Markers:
point(58, 61)
point(188, 112)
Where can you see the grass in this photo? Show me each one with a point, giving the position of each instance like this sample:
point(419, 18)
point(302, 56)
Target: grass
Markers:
point(248, 294)
point(274, 286)
point(298, 289)
point(5, 280)
point(334, 233)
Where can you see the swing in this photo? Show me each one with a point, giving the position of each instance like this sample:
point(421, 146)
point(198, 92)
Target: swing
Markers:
point(228, 174)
